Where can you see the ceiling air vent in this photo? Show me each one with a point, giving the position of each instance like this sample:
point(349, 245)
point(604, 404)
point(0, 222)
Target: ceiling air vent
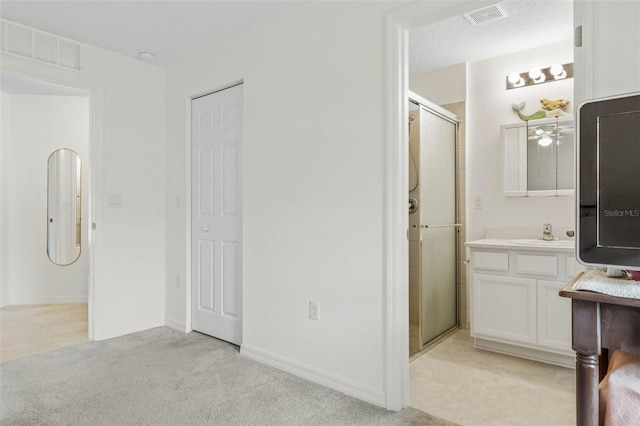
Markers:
point(486, 14)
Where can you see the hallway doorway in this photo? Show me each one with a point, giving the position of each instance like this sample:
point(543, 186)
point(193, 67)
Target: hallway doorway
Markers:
point(45, 191)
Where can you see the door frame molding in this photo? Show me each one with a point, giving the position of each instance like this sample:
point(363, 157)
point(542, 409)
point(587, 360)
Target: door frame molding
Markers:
point(396, 277)
point(189, 186)
point(96, 177)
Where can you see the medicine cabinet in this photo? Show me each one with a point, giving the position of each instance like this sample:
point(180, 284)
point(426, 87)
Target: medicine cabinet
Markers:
point(539, 157)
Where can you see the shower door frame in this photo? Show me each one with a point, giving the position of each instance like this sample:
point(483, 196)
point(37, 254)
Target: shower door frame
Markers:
point(453, 119)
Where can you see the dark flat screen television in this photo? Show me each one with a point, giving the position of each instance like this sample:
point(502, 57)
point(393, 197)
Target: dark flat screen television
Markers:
point(608, 182)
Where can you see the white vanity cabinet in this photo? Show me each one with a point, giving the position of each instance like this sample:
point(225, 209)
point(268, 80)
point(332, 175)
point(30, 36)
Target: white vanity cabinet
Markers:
point(515, 306)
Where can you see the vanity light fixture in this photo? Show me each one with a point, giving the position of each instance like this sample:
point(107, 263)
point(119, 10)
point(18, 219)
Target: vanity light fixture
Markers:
point(539, 75)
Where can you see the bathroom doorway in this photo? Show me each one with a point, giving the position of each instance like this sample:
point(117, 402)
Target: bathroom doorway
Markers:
point(454, 374)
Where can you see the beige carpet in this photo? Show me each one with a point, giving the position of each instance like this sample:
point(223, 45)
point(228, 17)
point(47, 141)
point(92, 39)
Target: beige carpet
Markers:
point(163, 377)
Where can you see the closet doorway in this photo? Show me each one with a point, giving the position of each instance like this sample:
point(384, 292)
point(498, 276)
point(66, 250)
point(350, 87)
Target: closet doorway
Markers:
point(216, 214)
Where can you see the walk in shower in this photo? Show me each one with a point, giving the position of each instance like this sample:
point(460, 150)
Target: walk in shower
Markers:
point(433, 223)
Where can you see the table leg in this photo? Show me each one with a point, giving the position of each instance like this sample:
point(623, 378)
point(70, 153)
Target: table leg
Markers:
point(587, 396)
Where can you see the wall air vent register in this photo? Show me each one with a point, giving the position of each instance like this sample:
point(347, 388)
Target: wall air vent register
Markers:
point(29, 43)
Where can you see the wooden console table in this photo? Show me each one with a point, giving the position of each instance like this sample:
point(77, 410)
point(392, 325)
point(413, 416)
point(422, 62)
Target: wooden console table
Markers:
point(600, 323)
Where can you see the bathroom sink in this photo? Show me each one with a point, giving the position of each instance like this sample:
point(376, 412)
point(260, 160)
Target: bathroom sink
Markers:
point(543, 243)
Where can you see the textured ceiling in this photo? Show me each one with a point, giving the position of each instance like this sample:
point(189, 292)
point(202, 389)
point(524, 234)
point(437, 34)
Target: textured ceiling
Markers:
point(529, 24)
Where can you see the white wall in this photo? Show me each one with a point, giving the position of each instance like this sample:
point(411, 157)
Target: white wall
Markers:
point(313, 188)
point(489, 107)
point(442, 86)
point(40, 125)
point(5, 121)
point(128, 158)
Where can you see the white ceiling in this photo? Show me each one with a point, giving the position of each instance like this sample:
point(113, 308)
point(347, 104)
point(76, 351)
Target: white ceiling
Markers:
point(174, 29)
point(171, 29)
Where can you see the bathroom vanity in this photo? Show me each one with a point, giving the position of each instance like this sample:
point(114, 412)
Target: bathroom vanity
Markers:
point(514, 300)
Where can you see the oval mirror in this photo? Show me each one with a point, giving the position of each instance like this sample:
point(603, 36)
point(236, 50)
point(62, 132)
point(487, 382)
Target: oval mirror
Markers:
point(64, 206)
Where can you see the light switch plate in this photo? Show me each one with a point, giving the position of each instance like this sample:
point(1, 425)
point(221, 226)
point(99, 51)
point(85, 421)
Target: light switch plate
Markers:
point(114, 201)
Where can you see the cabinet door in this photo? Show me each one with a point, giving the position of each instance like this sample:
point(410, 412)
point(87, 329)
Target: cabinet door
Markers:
point(504, 307)
point(514, 143)
point(554, 316)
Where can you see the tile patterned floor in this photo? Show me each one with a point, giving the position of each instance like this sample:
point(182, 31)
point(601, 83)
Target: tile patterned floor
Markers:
point(470, 386)
point(30, 329)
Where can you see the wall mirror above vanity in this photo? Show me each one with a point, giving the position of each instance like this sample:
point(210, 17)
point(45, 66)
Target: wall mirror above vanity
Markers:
point(539, 157)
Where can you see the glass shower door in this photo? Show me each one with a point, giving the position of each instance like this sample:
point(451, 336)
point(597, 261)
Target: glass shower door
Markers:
point(438, 227)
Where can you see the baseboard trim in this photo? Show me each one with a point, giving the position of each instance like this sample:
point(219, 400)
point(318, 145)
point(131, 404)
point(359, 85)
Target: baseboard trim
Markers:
point(315, 375)
point(53, 300)
point(175, 325)
point(563, 360)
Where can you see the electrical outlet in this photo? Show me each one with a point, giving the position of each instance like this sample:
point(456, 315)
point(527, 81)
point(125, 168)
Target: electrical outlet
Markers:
point(314, 310)
point(477, 202)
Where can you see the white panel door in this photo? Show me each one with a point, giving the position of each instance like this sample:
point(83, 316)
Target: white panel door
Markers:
point(216, 214)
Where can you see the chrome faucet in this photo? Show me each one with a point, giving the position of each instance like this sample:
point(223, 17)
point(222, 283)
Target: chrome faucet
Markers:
point(547, 235)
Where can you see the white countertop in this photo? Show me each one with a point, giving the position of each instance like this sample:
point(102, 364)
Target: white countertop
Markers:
point(523, 244)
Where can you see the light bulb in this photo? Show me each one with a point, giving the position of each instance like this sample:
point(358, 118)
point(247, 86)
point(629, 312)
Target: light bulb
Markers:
point(536, 75)
point(544, 141)
point(558, 71)
point(514, 78)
